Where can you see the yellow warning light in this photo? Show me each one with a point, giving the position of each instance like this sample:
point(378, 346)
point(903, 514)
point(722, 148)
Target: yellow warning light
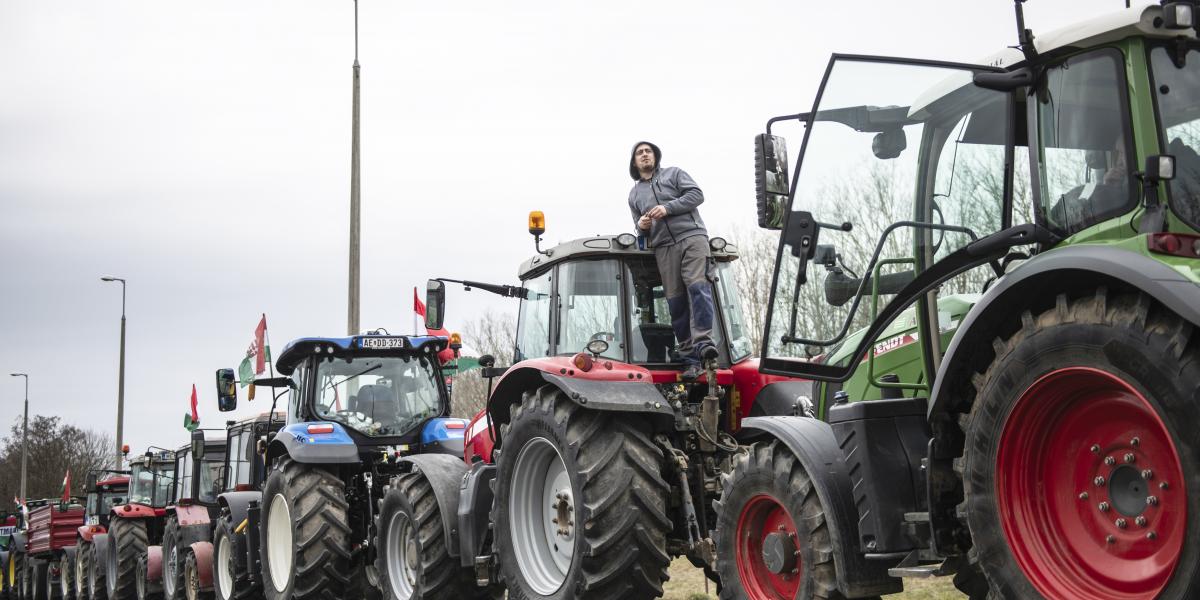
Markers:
point(455, 341)
point(537, 222)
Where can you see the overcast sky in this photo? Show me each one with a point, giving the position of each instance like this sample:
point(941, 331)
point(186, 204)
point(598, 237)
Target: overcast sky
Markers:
point(201, 151)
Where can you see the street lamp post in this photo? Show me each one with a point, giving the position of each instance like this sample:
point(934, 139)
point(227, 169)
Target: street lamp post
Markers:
point(121, 375)
point(24, 435)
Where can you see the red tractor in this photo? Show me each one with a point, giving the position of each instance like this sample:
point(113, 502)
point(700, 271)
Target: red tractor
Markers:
point(187, 535)
point(137, 524)
point(105, 489)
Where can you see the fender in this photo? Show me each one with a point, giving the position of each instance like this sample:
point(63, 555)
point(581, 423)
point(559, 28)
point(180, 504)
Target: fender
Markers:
point(86, 532)
point(445, 474)
point(816, 447)
point(595, 389)
point(154, 566)
point(100, 553)
point(1055, 271)
point(237, 503)
point(192, 514)
point(294, 440)
point(134, 511)
point(204, 564)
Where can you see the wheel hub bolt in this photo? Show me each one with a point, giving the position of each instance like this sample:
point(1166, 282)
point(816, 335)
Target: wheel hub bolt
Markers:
point(1103, 506)
point(1129, 457)
point(1096, 448)
point(1135, 441)
point(1112, 539)
point(1083, 495)
point(1099, 480)
point(1162, 485)
point(1152, 500)
point(1147, 474)
point(1110, 461)
point(1141, 521)
point(1120, 523)
point(1150, 535)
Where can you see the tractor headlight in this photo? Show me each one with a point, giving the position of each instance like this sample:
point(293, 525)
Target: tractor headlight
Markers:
point(1179, 15)
point(626, 240)
point(717, 244)
point(597, 347)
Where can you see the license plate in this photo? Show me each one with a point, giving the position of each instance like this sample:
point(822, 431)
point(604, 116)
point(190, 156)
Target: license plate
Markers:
point(382, 343)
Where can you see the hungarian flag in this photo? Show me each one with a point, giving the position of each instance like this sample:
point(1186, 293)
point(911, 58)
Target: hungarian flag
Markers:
point(191, 421)
point(66, 495)
point(257, 355)
point(418, 306)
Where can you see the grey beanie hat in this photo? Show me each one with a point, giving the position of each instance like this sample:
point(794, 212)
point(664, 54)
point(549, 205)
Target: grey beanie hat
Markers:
point(633, 170)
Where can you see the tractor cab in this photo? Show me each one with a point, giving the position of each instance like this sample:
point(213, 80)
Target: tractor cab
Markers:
point(198, 468)
point(603, 295)
point(105, 490)
point(243, 468)
point(152, 479)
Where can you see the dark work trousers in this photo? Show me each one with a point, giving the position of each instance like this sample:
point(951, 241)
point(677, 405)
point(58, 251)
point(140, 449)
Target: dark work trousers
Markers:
point(683, 267)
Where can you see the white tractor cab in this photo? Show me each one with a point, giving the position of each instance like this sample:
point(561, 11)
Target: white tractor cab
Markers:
point(992, 271)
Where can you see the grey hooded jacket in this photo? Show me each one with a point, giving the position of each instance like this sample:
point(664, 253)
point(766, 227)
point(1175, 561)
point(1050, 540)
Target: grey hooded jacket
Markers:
point(678, 192)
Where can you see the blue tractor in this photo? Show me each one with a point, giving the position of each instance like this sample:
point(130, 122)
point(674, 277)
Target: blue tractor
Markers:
point(360, 410)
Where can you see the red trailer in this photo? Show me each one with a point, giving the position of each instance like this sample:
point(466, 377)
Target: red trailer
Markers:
point(50, 532)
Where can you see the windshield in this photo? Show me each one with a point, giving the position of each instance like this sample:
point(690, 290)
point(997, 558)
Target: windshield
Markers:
point(141, 485)
point(210, 473)
point(378, 395)
point(533, 321)
point(912, 157)
point(1177, 89)
point(589, 304)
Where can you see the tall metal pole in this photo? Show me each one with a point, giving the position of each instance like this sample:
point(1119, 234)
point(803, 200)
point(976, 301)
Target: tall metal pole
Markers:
point(120, 376)
point(352, 304)
point(24, 436)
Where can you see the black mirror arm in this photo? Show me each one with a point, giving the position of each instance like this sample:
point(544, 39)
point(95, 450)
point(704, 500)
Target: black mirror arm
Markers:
point(507, 291)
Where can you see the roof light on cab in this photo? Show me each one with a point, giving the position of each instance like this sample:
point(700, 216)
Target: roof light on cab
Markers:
point(537, 222)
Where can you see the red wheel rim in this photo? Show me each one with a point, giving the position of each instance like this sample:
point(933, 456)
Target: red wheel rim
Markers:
point(1090, 488)
point(762, 517)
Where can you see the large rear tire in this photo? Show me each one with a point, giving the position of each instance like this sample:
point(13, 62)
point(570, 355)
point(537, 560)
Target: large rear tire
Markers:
point(1081, 477)
point(127, 543)
point(772, 537)
point(306, 535)
point(581, 507)
point(231, 579)
point(413, 559)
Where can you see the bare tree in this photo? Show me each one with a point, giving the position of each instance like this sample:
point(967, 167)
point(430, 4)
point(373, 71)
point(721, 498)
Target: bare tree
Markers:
point(491, 333)
point(54, 448)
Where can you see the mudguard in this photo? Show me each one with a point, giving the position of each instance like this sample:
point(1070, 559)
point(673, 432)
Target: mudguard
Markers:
point(624, 388)
point(294, 440)
point(192, 514)
point(154, 564)
point(237, 503)
point(204, 564)
point(134, 511)
point(816, 447)
point(86, 532)
point(1055, 270)
point(445, 475)
point(100, 552)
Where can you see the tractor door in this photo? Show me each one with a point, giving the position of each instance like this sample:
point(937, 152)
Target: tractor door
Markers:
point(903, 165)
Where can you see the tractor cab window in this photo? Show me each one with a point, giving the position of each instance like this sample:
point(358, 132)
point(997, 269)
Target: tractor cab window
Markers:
point(183, 463)
point(378, 395)
point(141, 484)
point(740, 344)
point(651, 335)
point(93, 504)
point(239, 452)
point(533, 321)
point(164, 482)
point(589, 307)
point(210, 473)
point(905, 165)
point(1084, 167)
point(1177, 89)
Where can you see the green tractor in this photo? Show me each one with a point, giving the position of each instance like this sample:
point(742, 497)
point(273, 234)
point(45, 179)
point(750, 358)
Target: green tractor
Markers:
point(992, 273)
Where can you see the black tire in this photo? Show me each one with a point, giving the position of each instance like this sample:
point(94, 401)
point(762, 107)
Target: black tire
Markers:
point(409, 505)
point(147, 589)
point(769, 475)
point(53, 586)
point(97, 569)
point(15, 567)
point(619, 499)
point(127, 543)
point(21, 576)
point(315, 500)
point(192, 590)
point(83, 556)
point(66, 576)
point(172, 565)
point(1122, 337)
point(41, 577)
point(240, 584)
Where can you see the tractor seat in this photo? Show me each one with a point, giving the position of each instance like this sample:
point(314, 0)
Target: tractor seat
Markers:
point(377, 402)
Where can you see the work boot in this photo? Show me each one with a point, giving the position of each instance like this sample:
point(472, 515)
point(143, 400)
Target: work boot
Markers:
point(708, 353)
point(692, 373)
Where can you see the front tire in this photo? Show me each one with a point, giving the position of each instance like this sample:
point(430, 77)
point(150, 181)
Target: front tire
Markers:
point(172, 566)
point(191, 580)
point(306, 536)
point(83, 557)
point(581, 505)
point(1081, 479)
point(147, 589)
point(66, 576)
point(127, 539)
point(231, 579)
point(97, 569)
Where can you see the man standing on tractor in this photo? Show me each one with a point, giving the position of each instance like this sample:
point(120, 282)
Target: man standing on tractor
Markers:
point(664, 203)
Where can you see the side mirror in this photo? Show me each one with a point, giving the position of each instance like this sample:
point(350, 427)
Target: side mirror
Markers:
point(1160, 167)
point(770, 179)
point(197, 445)
point(226, 390)
point(435, 304)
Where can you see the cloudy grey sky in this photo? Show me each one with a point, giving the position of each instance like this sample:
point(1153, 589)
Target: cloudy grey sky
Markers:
point(201, 150)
